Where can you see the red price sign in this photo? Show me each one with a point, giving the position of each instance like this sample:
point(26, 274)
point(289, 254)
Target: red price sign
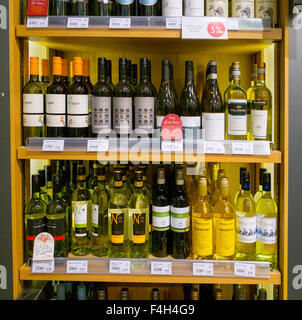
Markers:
point(37, 8)
point(216, 29)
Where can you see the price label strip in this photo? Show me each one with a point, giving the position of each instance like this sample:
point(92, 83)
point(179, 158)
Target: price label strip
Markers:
point(43, 266)
point(161, 268)
point(203, 269)
point(32, 23)
point(120, 23)
point(100, 145)
point(173, 23)
point(77, 266)
point(53, 145)
point(77, 23)
point(214, 147)
point(120, 267)
point(244, 270)
point(244, 148)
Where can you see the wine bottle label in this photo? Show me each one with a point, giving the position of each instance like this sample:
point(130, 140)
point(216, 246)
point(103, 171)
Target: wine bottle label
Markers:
point(101, 114)
point(55, 121)
point(190, 122)
point(217, 8)
point(213, 125)
point(194, 8)
point(172, 8)
point(180, 219)
point(77, 121)
point(266, 230)
point(33, 120)
point(33, 103)
point(159, 120)
point(148, 2)
point(78, 104)
point(79, 215)
point(246, 228)
point(237, 117)
point(202, 236)
point(122, 115)
point(56, 227)
point(95, 219)
point(243, 9)
point(259, 123)
point(144, 113)
point(267, 9)
point(161, 218)
point(139, 220)
point(225, 237)
point(118, 217)
point(56, 103)
point(125, 2)
point(34, 227)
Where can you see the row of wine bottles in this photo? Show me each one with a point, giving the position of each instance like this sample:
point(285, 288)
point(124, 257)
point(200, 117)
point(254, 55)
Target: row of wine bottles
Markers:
point(80, 109)
point(118, 214)
point(266, 9)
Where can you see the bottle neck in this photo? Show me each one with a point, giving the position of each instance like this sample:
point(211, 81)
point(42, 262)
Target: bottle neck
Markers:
point(267, 194)
point(144, 73)
point(34, 77)
point(101, 182)
point(57, 193)
point(36, 195)
point(57, 78)
point(77, 78)
point(236, 82)
point(123, 73)
point(81, 183)
point(102, 74)
point(45, 78)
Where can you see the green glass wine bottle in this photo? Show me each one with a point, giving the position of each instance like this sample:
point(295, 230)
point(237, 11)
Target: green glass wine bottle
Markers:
point(59, 7)
point(43, 191)
point(92, 178)
point(109, 73)
point(48, 179)
point(56, 219)
point(149, 8)
point(124, 8)
point(79, 7)
point(101, 7)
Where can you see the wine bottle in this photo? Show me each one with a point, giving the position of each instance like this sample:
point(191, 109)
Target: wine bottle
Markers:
point(254, 78)
point(180, 218)
point(92, 177)
point(161, 216)
point(243, 8)
point(149, 8)
point(118, 219)
point(109, 73)
point(124, 8)
point(56, 103)
point(124, 294)
point(240, 186)
point(78, 103)
point(236, 107)
point(89, 85)
point(35, 212)
point(245, 222)
point(139, 219)
point(202, 224)
point(100, 216)
point(71, 74)
point(59, 7)
point(65, 77)
point(172, 8)
point(101, 293)
point(123, 102)
point(45, 73)
point(239, 294)
point(79, 7)
point(193, 8)
point(134, 75)
point(267, 9)
point(224, 225)
point(155, 294)
point(144, 101)
point(267, 225)
point(56, 219)
point(261, 109)
point(190, 106)
point(43, 193)
point(212, 107)
point(33, 104)
point(81, 216)
point(259, 193)
point(217, 8)
point(81, 292)
point(262, 294)
point(61, 296)
point(195, 292)
point(101, 7)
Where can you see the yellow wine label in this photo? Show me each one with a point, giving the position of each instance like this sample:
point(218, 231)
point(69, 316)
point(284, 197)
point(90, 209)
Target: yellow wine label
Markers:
point(202, 236)
point(225, 237)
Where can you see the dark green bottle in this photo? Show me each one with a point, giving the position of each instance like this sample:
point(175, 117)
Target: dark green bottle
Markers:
point(149, 8)
point(92, 178)
point(134, 74)
point(59, 7)
point(190, 106)
point(124, 8)
point(43, 190)
point(180, 218)
point(56, 219)
point(100, 7)
point(109, 73)
point(79, 7)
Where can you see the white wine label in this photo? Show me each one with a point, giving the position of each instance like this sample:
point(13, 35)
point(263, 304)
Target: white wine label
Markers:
point(80, 215)
point(217, 8)
point(180, 219)
point(101, 117)
point(243, 9)
point(246, 228)
point(144, 113)
point(161, 218)
point(237, 125)
point(56, 103)
point(33, 103)
point(194, 8)
point(267, 230)
point(213, 124)
point(55, 121)
point(172, 8)
point(77, 121)
point(122, 115)
point(267, 9)
point(259, 123)
point(159, 120)
point(190, 122)
point(33, 120)
point(78, 104)
point(95, 215)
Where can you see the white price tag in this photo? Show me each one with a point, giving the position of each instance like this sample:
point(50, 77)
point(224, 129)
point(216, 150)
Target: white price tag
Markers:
point(214, 147)
point(244, 270)
point(43, 266)
point(172, 146)
point(100, 145)
point(233, 23)
point(122, 267)
point(245, 148)
point(53, 145)
point(41, 22)
point(120, 23)
point(173, 23)
point(78, 23)
point(203, 269)
point(77, 266)
point(161, 268)
point(204, 28)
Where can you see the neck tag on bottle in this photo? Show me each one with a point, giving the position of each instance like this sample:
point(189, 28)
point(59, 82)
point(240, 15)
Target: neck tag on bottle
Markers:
point(37, 8)
point(172, 134)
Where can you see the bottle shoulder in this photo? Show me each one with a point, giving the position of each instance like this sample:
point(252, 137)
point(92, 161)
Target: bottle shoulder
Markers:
point(56, 88)
point(34, 87)
point(77, 88)
point(35, 206)
point(102, 89)
point(123, 89)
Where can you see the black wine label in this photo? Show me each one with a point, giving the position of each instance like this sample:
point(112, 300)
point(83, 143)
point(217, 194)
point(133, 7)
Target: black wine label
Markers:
point(139, 227)
point(57, 228)
point(34, 227)
point(117, 228)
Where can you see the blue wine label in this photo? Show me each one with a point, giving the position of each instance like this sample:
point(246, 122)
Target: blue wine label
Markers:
point(148, 2)
point(125, 2)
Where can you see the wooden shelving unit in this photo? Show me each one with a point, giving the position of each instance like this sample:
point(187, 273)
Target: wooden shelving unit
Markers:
point(241, 42)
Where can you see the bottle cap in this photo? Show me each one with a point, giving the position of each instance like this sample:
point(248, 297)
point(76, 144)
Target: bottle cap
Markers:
point(240, 293)
point(57, 66)
point(35, 182)
point(101, 294)
point(124, 294)
point(45, 67)
point(179, 177)
point(65, 67)
point(254, 74)
point(42, 178)
point(78, 66)
point(56, 182)
point(202, 183)
point(34, 65)
point(86, 68)
point(48, 173)
point(266, 181)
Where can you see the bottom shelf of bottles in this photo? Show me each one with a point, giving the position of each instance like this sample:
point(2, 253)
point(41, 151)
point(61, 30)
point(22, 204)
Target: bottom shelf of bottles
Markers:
point(150, 270)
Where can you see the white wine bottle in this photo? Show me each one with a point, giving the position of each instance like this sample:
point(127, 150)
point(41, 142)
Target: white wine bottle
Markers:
point(267, 9)
point(217, 8)
point(243, 8)
point(172, 8)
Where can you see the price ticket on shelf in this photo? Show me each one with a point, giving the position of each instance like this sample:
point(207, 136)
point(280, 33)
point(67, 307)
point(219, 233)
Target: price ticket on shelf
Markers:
point(99, 145)
point(214, 147)
point(77, 23)
point(203, 269)
point(43, 266)
point(77, 266)
point(41, 22)
point(120, 23)
point(161, 268)
point(119, 266)
point(173, 22)
point(244, 148)
point(53, 145)
point(244, 269)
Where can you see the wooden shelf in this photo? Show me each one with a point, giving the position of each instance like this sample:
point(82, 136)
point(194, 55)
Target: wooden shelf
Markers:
point(25, 274)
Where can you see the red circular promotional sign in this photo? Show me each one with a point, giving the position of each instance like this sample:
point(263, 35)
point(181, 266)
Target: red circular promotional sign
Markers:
point(216, 29)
